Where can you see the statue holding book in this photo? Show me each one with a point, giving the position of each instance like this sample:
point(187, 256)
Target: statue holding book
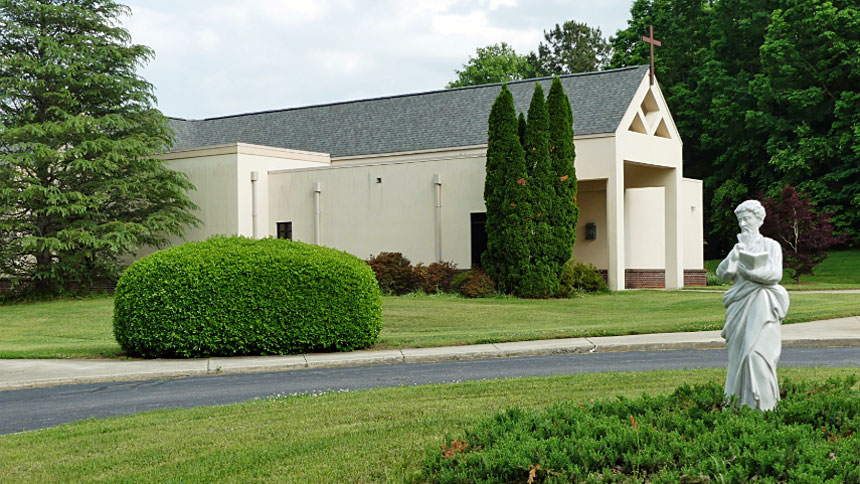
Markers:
point(755, 307)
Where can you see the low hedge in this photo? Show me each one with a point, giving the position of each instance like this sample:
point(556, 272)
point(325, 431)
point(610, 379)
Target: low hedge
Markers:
point(237, 296)
point(578, 276)
point(691, 436)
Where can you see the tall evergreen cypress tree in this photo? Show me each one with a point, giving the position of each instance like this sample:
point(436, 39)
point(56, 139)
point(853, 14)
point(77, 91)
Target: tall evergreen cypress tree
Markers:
point(506, 197)
point(541, 279)
point(565, 210)
point(521, 129)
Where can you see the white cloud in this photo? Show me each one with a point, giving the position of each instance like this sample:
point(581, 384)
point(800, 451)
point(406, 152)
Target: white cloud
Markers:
point(227, 56)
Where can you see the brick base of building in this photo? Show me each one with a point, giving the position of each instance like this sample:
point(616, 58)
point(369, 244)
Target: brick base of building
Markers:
point(656, 278)
point(695, 277)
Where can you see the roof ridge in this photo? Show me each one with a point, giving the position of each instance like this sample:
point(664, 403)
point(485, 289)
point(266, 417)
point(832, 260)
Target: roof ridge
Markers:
point(422, 93)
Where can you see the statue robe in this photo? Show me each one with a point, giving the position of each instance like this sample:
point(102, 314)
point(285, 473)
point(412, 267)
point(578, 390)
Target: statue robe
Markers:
point(755, 307)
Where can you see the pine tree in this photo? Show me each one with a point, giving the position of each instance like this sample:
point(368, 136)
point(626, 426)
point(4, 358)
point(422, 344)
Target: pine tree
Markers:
point(565, 211)
point(541, 279)
point(506, 197)
point(79, 185)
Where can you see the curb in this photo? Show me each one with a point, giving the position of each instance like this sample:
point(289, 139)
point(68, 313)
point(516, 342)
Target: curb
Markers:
point(216, 366)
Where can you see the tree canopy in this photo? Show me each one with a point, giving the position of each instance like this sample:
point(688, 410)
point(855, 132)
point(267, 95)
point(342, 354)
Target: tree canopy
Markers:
point(80, 187)
point(493, 63)
point(765, 93)
point(570, 48)
point(567, 48)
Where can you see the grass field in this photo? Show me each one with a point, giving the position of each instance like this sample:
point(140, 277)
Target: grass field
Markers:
point(356, 437)
point(83, 328)
point(841, 270)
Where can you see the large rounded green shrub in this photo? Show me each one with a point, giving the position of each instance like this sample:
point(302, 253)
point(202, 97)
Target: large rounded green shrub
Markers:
point(237, 296)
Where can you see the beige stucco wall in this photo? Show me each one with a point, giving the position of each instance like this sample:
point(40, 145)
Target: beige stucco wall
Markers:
point(248, 191)
point(594, 157)
point(222, 175)
point(644, 228)
point(694, 234)
point(591, 198)
point(214, 175)
point(365, 217)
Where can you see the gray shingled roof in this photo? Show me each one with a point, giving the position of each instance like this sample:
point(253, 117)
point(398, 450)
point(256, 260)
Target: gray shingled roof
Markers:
point(437, 119)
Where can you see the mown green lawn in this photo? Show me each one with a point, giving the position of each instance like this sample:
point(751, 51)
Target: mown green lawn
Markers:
point(841, 270)
point(83, 328)
point(370, 436)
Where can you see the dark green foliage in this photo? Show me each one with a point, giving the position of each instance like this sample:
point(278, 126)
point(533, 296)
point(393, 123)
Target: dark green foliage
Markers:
point(435, 277)
point(712, 279)
point(521, 127)
point(809, 103)
point(237, 296)
point(764, 93)
point(692, 436)
point(474, 283)
point(493, 63)
point(80, 187)
point(394, 273)
point(570, 48)
point(530, 198)
point(564, 212)
point(580, 277)
point(506, 196)
point(541, 278)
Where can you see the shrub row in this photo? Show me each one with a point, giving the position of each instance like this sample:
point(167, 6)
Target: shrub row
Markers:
point(692, 435)
point(237, 296)
point(396, 274)
point(580, 277)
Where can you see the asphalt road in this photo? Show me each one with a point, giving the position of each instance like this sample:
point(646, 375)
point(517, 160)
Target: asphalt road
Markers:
point(36, 408)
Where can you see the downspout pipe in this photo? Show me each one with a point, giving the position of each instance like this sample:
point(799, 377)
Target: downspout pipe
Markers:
point(255, 176)
point(437, 182)
point(317, 191)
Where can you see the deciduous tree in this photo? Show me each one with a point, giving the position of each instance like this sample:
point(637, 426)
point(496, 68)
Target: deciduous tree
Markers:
point(493, 63)
point(804, 233)
point(809, 103)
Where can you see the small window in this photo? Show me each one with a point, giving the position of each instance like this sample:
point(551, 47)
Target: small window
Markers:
point(285, 230)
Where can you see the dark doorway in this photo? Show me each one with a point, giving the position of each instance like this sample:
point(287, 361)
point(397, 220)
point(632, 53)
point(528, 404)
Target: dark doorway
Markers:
point(479, 236)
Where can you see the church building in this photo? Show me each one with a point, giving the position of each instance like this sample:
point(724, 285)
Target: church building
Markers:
point(406, 174)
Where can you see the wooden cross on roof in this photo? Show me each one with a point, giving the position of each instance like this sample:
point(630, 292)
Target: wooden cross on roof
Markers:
point(651, 40)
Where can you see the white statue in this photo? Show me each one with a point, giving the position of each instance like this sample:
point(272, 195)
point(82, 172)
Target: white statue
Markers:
point(755, 307)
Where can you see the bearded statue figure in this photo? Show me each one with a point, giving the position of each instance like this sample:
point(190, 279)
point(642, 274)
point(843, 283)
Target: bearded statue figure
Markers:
point(755, 307)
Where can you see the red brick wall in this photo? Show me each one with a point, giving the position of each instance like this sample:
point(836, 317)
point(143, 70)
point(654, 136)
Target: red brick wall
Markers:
point(656, 278)
point(644, 279)
point(693, 277)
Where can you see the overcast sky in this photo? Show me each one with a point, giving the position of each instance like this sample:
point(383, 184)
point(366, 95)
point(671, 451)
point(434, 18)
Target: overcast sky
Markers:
point(220, 57)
